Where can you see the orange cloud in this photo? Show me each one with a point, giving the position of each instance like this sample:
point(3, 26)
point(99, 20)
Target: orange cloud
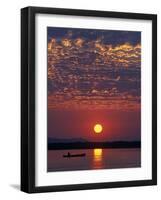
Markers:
point(93, 75)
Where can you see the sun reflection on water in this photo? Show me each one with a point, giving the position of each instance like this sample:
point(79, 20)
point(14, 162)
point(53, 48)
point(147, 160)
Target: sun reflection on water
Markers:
point(97, 158)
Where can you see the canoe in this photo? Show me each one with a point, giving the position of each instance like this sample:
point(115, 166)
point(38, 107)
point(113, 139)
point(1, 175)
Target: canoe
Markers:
point(74, 155)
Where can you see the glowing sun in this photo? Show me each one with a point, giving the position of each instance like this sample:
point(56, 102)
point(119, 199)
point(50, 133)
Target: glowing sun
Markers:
point(98, 128)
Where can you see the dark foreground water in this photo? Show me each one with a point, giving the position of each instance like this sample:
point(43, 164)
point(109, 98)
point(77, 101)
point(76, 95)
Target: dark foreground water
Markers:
point(94, 159)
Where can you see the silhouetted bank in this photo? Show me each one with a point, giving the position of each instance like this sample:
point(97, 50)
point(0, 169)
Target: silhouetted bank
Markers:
point(92, 145)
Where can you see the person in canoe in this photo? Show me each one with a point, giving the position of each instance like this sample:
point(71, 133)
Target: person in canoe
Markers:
point(68, 155)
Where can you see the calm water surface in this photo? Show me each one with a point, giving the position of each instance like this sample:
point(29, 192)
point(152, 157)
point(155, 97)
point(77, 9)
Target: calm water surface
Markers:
point(94, 159)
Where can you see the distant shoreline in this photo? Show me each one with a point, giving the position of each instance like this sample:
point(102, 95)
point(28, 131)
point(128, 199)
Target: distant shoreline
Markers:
point(91, 145)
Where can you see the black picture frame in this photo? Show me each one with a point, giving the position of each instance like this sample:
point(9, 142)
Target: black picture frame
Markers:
point(28, 98)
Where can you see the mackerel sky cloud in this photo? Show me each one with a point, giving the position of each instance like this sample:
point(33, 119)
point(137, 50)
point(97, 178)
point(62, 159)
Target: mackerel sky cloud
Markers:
point(94, 69)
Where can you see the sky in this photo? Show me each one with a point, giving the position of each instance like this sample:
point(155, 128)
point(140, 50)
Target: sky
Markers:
point(94, 76)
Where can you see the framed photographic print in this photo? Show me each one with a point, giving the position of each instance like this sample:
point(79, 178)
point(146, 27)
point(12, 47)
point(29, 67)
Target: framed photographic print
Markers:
point(88, 99)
